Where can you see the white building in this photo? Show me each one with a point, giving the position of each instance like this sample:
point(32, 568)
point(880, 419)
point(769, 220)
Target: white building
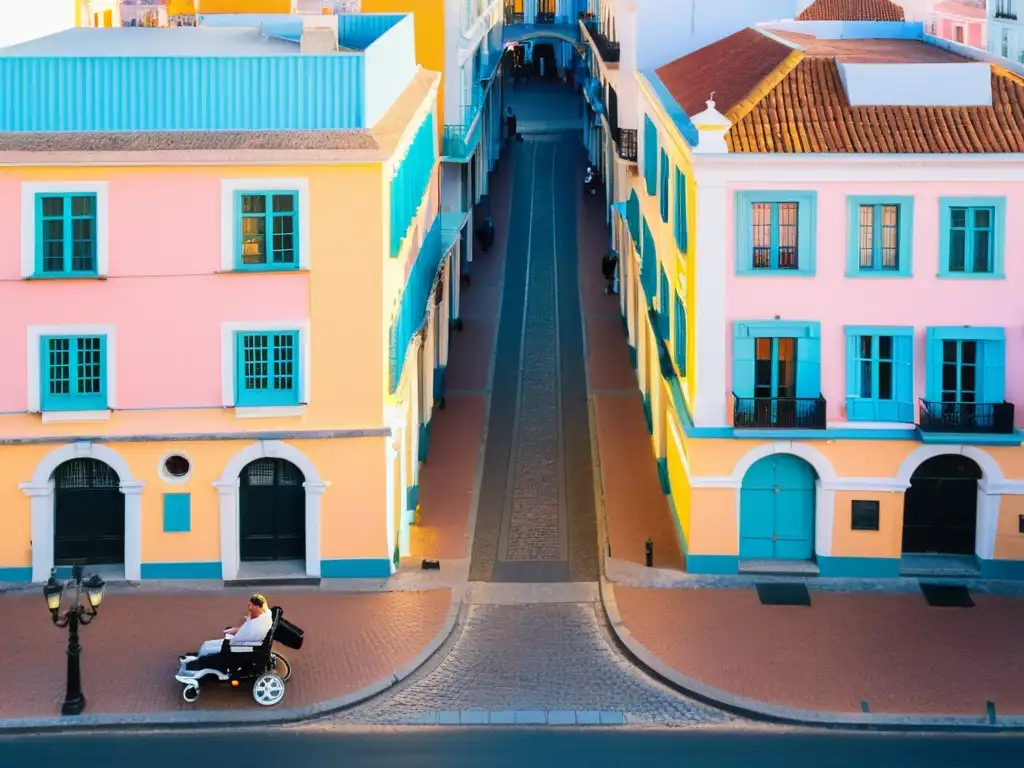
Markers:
point(629, 36)
point(1006, 29)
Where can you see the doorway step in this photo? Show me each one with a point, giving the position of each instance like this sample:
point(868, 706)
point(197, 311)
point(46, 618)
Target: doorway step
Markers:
point(940, 566)
point(277, 573)
point(772, 567)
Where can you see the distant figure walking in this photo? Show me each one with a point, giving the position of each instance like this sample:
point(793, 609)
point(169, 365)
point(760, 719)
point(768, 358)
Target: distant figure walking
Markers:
point(609, 266)
point(511, 125)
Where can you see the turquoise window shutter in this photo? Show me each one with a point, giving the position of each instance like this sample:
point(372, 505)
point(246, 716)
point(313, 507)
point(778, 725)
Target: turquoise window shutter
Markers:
point(650, 156)
point(680, 223)
point(177, 513)
point(648, 264)
point(808, 367)
point(933, 365)
point(663, 305)
point(663, 201)
point(857, 407)
point(993, 380)
point(633, 218)
point(743, 365)
point(410, 181)
point(680, 345)
point(903, 377)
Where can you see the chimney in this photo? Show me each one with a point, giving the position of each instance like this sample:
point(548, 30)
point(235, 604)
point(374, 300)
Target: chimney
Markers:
point(319, 34)
point(711, 127)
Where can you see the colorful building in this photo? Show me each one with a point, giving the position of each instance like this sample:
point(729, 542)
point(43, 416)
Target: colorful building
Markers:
point(1006, 29)
point(961, 21)
point(229, 315)
point(823, 305)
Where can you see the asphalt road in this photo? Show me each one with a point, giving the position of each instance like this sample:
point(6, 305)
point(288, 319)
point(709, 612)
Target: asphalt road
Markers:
point(481, 748)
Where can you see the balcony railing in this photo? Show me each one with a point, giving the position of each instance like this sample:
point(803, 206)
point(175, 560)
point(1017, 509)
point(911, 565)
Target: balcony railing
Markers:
point(608, 51)
point(966, 418)
point(778, 412)
point(626, 145)
point(1008, 15)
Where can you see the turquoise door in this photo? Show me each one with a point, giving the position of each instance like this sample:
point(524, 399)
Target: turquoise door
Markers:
point(777, 509)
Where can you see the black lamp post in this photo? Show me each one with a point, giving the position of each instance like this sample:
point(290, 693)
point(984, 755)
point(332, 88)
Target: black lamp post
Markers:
point(78, 612)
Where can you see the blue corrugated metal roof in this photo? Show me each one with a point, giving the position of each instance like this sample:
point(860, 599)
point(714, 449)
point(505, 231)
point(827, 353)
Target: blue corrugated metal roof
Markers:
point(182, 93)
point(152, 41)
point(360, 30)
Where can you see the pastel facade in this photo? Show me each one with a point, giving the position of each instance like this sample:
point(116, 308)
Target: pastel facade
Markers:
point(1006, 29)
point(230, 326)
point(826, 329)
point(625, 38)
point(962, 21)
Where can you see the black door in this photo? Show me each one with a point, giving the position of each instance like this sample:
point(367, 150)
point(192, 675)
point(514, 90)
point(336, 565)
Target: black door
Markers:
point(88, 515)
point(940, 509)
point(545, 52)
point(272, 511)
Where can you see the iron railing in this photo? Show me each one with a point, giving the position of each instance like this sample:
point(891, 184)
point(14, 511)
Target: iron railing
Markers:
point(626, 144)
point(608, 50)
point(966, 418)
point(778, 412)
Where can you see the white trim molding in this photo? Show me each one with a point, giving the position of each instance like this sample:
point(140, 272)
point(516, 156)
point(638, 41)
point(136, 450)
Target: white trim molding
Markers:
point(227, 366)
point(227, 487)
point(29, 190)
point(708, 311)
point(228, 189)
point(40, 491)
point(34, 368)
point(166, 476)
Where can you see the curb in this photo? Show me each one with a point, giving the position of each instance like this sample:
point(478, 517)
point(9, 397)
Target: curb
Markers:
point(239, 718)
point(755, 709)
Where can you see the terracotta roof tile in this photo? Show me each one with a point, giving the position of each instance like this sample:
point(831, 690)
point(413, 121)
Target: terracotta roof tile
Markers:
point(852, 10)
point(808, 112)
point(731, 67)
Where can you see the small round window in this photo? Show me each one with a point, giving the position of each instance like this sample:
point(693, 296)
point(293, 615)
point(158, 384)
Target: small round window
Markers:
point(176, 466)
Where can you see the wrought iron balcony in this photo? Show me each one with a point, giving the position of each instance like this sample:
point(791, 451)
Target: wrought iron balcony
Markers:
point(625, 145)
point(608, 51)
point(1008, 15)
point(966, 418)
point(778, 412)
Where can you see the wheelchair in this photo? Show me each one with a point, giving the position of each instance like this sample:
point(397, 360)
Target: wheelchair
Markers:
point(261, 665)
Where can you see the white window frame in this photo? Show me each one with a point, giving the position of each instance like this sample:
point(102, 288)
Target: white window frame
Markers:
point(29, 190)
point(228, 190)
point(227, 367)
point(35, 364)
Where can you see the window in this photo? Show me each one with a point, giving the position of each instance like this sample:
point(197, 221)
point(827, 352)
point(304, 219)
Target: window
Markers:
point(776, 359)
point(650, 156)
point(267, 368)
point(1005, 43)
point(972, 237)
point(679, 345)
point(958, 34)
point(664, 305)
point(880, 236)
point(879, 373)
point(775, 232)
point(267, 230)
point(680, 229)
point(66, 235)
point(966, 365)
point(73, 373)
point(663, 199)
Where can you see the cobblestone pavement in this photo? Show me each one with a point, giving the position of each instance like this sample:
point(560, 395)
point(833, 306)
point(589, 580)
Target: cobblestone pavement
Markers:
point(130, 650)
point(533, 657)
point(535, 520)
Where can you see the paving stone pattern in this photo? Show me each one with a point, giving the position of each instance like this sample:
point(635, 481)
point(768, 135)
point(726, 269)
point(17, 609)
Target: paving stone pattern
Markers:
point(535, 517)
point(540, 658)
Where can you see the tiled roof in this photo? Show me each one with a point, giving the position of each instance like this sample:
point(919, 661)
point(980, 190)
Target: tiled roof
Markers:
point(808, 112)
point(733, 67)
point(852, 10)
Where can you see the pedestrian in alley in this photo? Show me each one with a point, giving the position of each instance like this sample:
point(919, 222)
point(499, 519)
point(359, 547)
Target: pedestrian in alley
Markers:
point(511, 125)
point(609, 266)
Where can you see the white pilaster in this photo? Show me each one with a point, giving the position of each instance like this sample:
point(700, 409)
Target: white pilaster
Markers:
point(227, 491)
point(314, 523)
point(713, 232)
point(132, 530)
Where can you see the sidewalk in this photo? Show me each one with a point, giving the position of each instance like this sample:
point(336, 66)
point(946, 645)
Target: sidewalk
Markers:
point(448, 477)
point(130, 651)
point(909, 663)
point(635, 508)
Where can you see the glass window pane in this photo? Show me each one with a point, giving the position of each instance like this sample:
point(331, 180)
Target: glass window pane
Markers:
point(254, 204)
point(284, 362)
point(885, 380)
point(59, 366)
point(254, 241)
point(53, 206)
point(890, 237)
point(788, 231)
point(958, 217)
point(957, 250)
point(90, 368)
point(950, 350)
point(284, 203)
point(885, 347)
point(980, 258)
point(968, 352)
point(864, 346)
point(949, 377)
point(254, 362)
point(968, 381)
point(864, 388)
point(982, 218)
point(867, 236)
point(761, 234)
point(83, 205)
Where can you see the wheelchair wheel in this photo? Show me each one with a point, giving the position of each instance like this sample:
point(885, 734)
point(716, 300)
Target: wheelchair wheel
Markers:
point(280, 666)
point(268, 689)
point(190, 693)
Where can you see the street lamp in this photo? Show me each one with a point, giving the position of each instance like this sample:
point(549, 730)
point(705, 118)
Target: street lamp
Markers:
point(78, 612)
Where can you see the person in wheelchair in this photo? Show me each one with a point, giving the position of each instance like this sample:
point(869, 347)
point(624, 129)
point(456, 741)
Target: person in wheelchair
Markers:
point(258, 622)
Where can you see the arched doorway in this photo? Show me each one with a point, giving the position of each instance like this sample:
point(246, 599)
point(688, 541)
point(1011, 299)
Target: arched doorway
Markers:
point(271, 511)
point(940, 508)
point(88, 514)
point(777, 505)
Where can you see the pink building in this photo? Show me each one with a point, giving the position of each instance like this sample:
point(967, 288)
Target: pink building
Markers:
point(961, 21)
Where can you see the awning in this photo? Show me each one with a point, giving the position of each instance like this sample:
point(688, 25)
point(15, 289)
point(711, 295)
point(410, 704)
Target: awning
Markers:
point(620, 208)
point(452, 223)
point(592, 92)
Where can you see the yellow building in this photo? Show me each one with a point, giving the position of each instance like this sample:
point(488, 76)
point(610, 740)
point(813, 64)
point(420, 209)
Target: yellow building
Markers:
point(232, 363)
